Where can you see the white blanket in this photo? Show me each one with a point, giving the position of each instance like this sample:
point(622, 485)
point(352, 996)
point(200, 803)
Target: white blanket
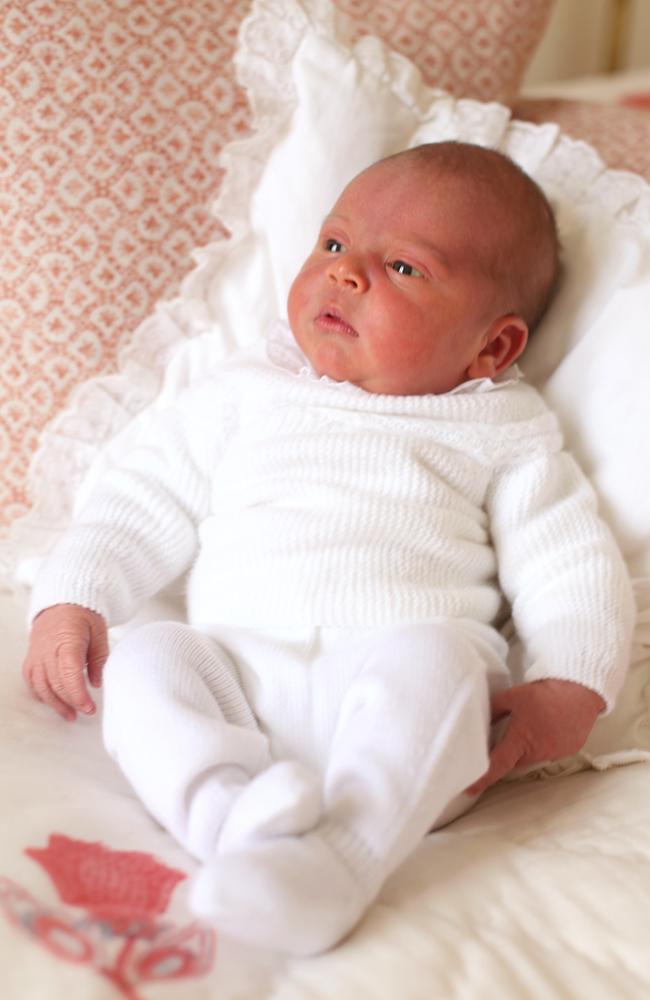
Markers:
point(543, 891)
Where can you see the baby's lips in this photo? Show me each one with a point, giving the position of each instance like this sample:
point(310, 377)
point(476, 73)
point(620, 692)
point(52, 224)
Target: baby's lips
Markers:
point(331, 319)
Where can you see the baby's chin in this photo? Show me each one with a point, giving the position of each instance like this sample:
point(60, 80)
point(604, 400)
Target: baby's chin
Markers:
point(331, 365)
point(332, 359)
point(341, 359)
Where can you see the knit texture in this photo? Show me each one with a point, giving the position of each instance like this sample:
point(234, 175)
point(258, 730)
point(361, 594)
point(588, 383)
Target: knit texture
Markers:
point(302, 501)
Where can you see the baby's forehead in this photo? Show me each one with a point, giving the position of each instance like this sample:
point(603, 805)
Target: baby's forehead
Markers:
point(425, 179)
point(411, 194)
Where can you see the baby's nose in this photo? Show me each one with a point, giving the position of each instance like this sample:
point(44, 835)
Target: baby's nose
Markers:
point(347, 270)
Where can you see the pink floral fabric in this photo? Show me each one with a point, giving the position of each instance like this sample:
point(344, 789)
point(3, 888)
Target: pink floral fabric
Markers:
point(621, 134)
point(112, 114)
point(472, 48)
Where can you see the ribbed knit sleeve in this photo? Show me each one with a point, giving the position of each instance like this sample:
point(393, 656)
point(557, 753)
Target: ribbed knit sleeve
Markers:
point(562, 572)
point(138, 529)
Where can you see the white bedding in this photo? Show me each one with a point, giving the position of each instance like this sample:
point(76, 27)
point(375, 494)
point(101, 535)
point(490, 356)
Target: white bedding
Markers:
point(543, 891)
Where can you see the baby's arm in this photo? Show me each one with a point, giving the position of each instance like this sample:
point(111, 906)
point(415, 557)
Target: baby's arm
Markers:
point(563, 574)
point(137, 531)
point(64, 641)
point(546, 720)
point(572, 605)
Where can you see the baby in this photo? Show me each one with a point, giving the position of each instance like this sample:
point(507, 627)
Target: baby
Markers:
point(352, 499)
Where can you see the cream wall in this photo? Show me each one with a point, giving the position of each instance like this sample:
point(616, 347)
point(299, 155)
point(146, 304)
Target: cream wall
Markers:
point(638, 47)
point(582, 39)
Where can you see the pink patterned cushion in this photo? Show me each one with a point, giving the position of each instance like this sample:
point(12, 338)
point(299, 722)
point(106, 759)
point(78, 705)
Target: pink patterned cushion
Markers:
point(620, 134)
point(472, 48)
point(112, 113)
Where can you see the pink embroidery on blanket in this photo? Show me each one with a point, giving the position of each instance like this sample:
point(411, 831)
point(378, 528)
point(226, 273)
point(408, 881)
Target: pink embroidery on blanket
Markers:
point(122, 895)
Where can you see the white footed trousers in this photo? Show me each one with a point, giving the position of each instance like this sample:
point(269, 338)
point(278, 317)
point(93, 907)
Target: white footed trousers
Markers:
point(394, 723)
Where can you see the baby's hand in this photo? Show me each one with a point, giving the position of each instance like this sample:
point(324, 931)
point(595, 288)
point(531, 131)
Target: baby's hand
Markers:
point(548, 719)
point(65, 640)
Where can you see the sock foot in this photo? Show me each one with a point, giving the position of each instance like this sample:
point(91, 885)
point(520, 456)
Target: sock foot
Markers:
point(292, 894)
point(283, 800)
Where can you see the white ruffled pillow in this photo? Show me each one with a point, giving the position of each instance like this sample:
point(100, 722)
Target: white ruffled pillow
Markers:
point(336, 112)
point(324, 112)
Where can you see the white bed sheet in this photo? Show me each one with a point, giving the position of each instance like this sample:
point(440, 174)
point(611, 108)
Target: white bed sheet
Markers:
point(543, 891)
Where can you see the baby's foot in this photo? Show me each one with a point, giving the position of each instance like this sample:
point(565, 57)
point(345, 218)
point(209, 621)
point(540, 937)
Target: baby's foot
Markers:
point(293, 894)
point(283, 800)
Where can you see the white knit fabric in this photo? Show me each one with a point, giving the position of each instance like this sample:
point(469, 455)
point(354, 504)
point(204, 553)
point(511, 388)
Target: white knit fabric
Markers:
point(177, 722)
point(299, 501)
point(366, 739)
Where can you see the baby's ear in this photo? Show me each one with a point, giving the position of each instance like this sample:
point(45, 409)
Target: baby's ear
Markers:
point(505, 341)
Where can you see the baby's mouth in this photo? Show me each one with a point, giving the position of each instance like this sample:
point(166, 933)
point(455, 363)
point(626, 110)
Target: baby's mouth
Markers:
point(330, 320)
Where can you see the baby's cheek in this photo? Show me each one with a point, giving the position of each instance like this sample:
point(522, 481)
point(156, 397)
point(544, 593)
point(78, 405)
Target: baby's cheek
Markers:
point(409, 365)
point(397, 352)
point(292, 311)
point(298, 297)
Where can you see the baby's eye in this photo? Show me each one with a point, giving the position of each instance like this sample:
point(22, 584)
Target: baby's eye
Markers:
point(334, 246)
point(403, 268)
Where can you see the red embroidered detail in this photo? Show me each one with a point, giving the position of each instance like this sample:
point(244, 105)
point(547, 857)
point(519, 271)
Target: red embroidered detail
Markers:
point(122, 893)
point(118, 887)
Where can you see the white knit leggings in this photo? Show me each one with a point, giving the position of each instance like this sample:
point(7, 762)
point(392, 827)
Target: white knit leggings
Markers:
point(394, 721)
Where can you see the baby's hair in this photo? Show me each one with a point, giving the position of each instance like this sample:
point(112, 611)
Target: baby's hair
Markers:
point(524, 261)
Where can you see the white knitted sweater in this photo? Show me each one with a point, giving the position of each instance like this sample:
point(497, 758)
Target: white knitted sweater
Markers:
point(297, 500)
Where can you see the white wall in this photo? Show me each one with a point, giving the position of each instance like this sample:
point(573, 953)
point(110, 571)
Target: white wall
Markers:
point(580, 39)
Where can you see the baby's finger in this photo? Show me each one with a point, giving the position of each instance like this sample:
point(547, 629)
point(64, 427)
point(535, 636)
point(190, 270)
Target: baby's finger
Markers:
point(27, 670)
point(501, 703)
point(505, 756)
point(71, 664)
point(95, 670)
point(41, 688)
point(97, 656)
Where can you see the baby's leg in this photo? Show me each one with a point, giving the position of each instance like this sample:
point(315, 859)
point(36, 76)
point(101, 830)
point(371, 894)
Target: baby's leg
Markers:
point(412, 735)
point(179, 726)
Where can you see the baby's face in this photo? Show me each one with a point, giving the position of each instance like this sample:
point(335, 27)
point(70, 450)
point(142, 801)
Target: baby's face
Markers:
point(393, 297)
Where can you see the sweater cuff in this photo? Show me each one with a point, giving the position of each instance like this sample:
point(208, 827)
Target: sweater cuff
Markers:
point(605, 682)
point(55, 587)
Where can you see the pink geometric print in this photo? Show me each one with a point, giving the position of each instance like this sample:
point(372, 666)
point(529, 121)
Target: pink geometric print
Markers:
point(112, 113)
point(471, 48)
point(620, 134)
